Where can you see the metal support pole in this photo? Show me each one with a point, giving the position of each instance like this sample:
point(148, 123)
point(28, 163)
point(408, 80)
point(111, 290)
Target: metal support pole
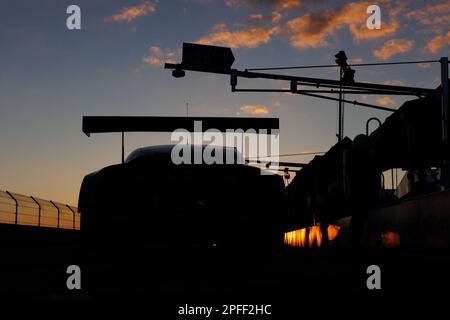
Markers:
point(445, 103)
point(445, 170)
point(57, 208)
point(123, 147)
point(73, 215)
point(340, 173)
point(17, 205)
point(39, 210)
point(340, 106)
point(392, 179)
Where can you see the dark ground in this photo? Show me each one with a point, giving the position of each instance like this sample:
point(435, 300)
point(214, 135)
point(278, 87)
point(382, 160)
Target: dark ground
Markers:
point(289, 279)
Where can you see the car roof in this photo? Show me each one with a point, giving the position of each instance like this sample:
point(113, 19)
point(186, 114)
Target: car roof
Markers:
point(149, 151)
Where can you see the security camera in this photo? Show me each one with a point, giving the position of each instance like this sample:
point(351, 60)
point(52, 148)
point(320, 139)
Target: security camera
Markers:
point(178, 73)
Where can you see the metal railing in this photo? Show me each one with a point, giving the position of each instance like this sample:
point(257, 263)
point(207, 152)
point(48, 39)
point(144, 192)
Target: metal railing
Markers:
point(27, 210)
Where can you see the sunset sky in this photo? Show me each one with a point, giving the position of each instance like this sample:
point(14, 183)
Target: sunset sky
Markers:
point(51, 76)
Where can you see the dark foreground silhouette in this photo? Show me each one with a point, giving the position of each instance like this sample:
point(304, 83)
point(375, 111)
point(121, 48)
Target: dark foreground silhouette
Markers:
point(149, 200)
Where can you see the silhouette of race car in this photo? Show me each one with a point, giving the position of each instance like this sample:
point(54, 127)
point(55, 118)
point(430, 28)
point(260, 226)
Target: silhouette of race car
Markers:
point(149, 200)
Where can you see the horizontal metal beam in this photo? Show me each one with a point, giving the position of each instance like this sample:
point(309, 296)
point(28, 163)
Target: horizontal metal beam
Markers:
point(313, 93)
point(316, 81)
point(368, 105)
point(374, 92)
point(348, 88)
point(100, 124)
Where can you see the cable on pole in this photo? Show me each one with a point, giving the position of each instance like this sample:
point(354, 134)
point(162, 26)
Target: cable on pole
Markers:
point(351, 65)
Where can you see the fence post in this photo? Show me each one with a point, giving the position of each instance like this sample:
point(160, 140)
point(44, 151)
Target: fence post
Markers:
point(39, 210)
point(57, 208)
point(17, 205)
point(73, 215)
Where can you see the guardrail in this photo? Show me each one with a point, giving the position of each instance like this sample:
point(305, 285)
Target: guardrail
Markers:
point(27, 210)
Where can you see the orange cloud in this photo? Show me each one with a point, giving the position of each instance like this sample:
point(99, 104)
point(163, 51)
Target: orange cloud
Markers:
point(424, 65)
point(431, 9)
point(254, 109)
point(393, 47)
point(385, 101)
point(155, 49)
point(435, 22)
point(219, 26)
point(437, 43)
point(248, 38)
point(394, 82)
point(158, 57)
point(153, 60)
point(278, 4)
point(312, 30)
point(434, 18)
point(256, 17)
point(431, 15)
point(131, 13)
point(274, 17)
point(357, 60)
point(288, 4)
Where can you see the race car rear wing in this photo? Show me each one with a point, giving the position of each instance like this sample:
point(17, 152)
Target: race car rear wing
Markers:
point(100, 124)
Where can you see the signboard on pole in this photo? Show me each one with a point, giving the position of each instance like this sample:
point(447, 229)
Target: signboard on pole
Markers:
point(205, 57)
